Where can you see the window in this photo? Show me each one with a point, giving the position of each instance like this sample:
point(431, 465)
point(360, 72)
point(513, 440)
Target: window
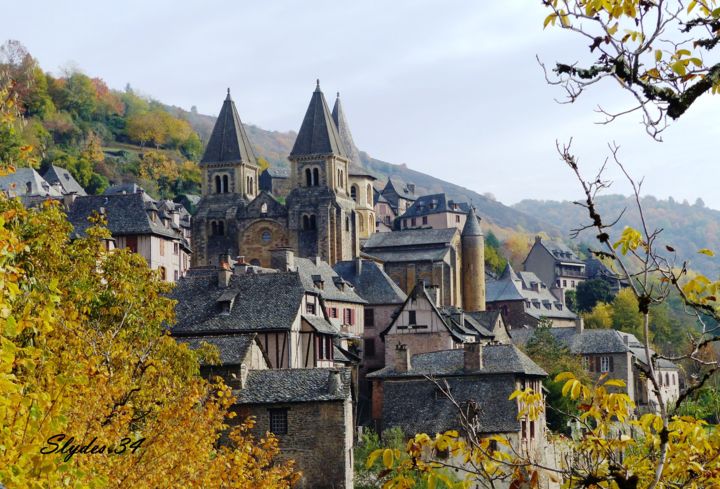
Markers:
point(349, 316)
point(369, 318)
point(604, 364)
point(162, 247)
point(369, 194)
point(266, 236)
point(424, 220)
point(332, 312)
point(369, 347)
point(371, 223)
point(347, 224)
point(413, 222)
point(225, 184)
point(176, 274)
point(667, 378)
point(221, 228)
point(324, 347)
point(310, 308)
point(586, 362)
point(176, 248)
point(457, 218)
point(218, 184)
point(557, 282)
point(278, 421)
point(532, 429)
point(131, 243)
point(353, 192)
point(263, 208)
point(412, 318)
point(308, 177)
point(404, 223)
point(572, 283)
point(362, 225)
point(316, 177)
point(564, 283)
point(163, 273)
point(313, 223)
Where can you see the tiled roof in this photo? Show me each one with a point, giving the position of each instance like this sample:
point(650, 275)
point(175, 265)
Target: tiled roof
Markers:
point(399, 256)
point(472, 225)
point(232, 348)
point(26, 182)
point(434, 204)
point(275, 172)
point(318, 133)
point(338, 115)
point(263, 302)
point(274, 386)
point(466, 322)
point(412, 237)
point(57, 175)
point(560, 251)
point(496, 359)
point(124, 188)
point(372, 283)
point(321, 325)
point(126, 214)
point(228, 142)
point(309, 271)
point(487, 319)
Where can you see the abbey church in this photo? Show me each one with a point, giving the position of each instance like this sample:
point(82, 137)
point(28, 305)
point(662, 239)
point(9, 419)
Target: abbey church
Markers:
point(328, 210)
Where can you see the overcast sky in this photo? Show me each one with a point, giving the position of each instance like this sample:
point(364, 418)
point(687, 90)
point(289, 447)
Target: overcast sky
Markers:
point(451, 88)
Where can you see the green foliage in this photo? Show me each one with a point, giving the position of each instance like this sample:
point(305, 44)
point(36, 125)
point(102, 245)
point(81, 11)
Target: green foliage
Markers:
point(591, 292)
point(571, 300)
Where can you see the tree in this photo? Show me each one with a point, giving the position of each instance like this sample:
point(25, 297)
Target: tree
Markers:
point(591, 292)
point(660, 52)
point(600, 317)
point(85, 358)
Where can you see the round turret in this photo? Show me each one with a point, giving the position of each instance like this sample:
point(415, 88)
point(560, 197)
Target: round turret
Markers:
point(473, 264)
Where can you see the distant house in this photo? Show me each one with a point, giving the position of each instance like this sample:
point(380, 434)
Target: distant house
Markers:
point(384, 213)
point(398, 197)
point(556, 265)
point(158, 231)
point(524, 300)
point(434, 211)
point(383, 299)
point(423, 325)
point(597, 270)
point(310, 411)
point(480, 377)
point(432, 255)
point(27, 184)
point(188, 201)
point(619, 356)
point(63, 180)
point(237, 353)
point(275, 181)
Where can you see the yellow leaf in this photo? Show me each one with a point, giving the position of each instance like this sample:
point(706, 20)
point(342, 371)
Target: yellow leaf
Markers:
point(658, 55)
point(706, 251)
point(564, 376)
point(373, 457)
point(388, 458)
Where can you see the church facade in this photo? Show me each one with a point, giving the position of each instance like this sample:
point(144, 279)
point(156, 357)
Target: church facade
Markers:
point(325, 214)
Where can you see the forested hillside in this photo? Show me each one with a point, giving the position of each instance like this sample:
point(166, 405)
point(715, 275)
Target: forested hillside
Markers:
point(686, 228)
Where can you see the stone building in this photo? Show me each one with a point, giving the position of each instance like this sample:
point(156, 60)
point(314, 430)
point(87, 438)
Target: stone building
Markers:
point(159, 231)
point(619, 356)
point(361, 191)
point(319, 216)
point(556, 265)
point(63, 181)
point(275, 181)
point(525, 300)
point(310, 411)
point(384, 215)
point(398, 197)
point(434, 211)
point(28, 185)
point(478, 375)
point(424, 325)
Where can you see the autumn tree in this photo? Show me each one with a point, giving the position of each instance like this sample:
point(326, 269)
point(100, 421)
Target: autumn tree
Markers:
point(590, 292)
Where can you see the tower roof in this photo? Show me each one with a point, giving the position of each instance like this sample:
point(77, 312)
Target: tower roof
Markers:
point(318, 133)
point(338, 115)
point(229, 142)
point(472, 224)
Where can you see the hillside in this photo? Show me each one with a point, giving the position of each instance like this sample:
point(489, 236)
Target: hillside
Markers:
point(274, 146)
point(687, 228)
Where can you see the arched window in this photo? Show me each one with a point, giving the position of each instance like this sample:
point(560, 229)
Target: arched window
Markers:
point(251, 190)
point(362, 225)
point(226, 184)
point(221, 228)
point(316, 177)
point(306, 222)
point(354, 192)
point(369, 194)
point(347, 224)
point(308, 177)
point(163, 273)
point(263, 208)
point(313, 223)
point(266, 236)
point(218, 184)
point(213, 228)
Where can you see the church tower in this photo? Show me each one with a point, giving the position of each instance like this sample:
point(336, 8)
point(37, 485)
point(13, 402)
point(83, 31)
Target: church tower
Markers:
point(361, 183)
point(473, 264)
point(320, 209)
point(229, 180)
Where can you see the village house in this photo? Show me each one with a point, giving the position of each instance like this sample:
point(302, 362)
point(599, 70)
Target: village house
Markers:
point(617, 355)
point(556, 265)
point(275, 181)
point(398, 197)
point(434, 211)
point(28, 185)
point(525, 301)
point(384, 215)
point(480, 377)
point(62, 180)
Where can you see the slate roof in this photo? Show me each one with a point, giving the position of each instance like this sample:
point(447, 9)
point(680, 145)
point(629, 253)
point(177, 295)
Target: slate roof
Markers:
point(26, 182)
point(275, 172)
point(520, 286)
point(559, 251)
point(487, 319)
point(318, 134)
point(638, 349)
point(321, 325)
point(410, 237)
point(57, 175)
point(309, 270)
point(232, 348)
point(400, 256)
point(392, 195)
point(472, 225)
point(466, 322)
point(294, 385)
point(372, 283)
point(497, 359)
point(263, 302)
point(435, 204)
point(229, 143)
point(126, 214)
point(338, 116)
point(124, 188)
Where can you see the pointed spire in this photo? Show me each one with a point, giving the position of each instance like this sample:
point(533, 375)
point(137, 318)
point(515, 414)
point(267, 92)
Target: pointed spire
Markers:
point(472, 224)
point(229, 142)
point(317, 86)
point(345, 135)
point(508, 273)
point(318, 133)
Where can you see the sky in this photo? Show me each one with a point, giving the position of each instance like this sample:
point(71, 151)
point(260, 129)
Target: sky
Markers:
point(451, 88)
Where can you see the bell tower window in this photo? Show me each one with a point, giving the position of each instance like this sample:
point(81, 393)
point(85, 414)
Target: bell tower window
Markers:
point(308, 177)
point(316, 177)
point(354, 193)
point(225, 184)
point(218, 184)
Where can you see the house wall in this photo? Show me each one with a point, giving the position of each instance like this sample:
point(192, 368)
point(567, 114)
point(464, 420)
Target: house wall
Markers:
point(407, 274)
point(541, 263)
point(319, 439)
point(438, 220)
point(623, 369)
point(149, 246)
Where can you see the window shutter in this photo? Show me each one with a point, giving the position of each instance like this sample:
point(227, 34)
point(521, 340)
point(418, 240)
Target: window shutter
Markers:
point(612, 366)
point(352, 316)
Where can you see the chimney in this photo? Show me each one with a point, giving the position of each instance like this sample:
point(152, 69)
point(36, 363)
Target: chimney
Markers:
point(411, 187)
point(434, 293)
point(580, 326)
point(69, 199)
point(626, 340)
point(282, 259)
point(358, 266)
point(225, 272)
point(317, 261)
point(472, 356)
point(402, 358)
point(334, 382)
point(538, 239)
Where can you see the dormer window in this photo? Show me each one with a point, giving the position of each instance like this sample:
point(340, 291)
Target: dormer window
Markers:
point(318, 282)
